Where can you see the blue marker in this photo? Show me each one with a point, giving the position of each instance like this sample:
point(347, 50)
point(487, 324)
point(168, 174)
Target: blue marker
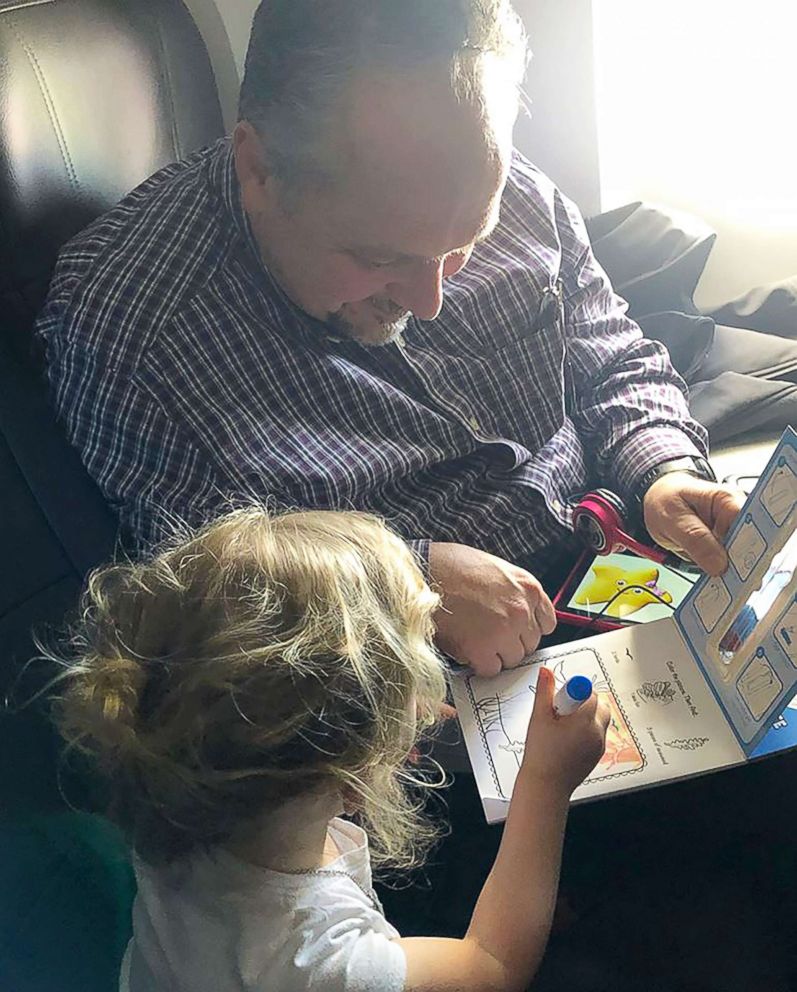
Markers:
point(572, 694)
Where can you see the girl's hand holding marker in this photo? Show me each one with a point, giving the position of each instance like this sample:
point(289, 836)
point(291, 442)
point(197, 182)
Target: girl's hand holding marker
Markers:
point(567, 732)
point(572, 694)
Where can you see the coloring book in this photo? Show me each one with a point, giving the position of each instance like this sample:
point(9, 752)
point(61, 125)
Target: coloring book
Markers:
point(703, 689)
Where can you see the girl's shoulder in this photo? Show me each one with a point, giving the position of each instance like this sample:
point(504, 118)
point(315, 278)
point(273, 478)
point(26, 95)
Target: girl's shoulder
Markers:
point(302, 931)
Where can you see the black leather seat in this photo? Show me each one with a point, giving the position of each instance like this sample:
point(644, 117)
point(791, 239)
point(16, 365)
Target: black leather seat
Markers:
point(95, 95)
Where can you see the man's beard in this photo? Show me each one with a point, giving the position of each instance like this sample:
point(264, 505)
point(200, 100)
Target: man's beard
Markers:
point(388, 322)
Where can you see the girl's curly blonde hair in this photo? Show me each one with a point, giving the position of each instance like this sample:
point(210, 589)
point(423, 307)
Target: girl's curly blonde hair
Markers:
point(260, 658)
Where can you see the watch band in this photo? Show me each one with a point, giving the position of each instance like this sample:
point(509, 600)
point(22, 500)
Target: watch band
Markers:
point(691, 464)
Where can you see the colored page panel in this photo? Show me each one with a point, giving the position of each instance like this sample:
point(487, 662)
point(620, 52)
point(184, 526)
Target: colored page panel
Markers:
point(630, 588)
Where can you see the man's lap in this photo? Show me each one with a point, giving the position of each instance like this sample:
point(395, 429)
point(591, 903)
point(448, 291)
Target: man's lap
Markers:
point(666, 885)
point(653, 864)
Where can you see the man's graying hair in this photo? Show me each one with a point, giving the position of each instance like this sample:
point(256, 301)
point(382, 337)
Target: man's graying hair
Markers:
point(302, 54)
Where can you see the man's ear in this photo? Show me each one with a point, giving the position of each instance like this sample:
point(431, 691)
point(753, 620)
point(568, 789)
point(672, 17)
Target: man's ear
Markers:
point(251, 165)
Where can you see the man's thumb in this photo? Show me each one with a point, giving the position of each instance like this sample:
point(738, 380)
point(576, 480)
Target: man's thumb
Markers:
point(701, 546)
point(543, 702)
point(726, 508)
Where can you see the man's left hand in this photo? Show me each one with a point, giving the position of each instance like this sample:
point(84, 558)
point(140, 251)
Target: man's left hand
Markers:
point(690, 517)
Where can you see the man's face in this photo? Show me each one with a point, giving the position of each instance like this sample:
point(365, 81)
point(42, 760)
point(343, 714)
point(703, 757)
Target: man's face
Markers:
point(420, 179)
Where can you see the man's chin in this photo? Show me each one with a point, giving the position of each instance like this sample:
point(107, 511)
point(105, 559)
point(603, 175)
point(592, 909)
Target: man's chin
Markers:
point(372, 333)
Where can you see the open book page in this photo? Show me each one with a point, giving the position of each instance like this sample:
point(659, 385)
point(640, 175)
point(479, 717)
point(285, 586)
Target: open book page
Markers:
point(665, 724)
point(742, 626)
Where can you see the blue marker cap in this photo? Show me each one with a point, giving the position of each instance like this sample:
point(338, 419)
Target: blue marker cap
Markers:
point(579, 688)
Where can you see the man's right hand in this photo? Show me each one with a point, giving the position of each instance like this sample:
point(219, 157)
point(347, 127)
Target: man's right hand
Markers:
point(493, 613)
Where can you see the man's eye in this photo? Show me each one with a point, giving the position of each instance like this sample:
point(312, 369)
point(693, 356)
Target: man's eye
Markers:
point(376, 263)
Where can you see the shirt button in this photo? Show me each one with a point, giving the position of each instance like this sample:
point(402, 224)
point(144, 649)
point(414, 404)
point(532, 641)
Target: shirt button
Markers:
point(474, 423)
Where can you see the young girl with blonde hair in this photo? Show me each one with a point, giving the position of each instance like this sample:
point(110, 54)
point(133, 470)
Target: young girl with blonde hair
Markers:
point(252, 695)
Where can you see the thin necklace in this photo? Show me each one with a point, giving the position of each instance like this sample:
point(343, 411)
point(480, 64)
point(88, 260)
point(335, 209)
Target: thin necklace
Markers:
point(369, 893)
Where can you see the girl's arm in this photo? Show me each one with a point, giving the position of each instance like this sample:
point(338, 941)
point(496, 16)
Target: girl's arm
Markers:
point(510, 925)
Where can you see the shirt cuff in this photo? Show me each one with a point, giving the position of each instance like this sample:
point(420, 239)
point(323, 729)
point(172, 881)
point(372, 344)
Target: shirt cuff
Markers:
point(647, 448)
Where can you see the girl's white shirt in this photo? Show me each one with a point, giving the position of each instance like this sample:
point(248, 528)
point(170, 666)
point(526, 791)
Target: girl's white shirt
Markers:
point(213, 923)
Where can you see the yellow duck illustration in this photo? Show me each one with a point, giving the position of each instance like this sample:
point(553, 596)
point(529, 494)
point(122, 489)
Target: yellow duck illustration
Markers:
point(633, 589)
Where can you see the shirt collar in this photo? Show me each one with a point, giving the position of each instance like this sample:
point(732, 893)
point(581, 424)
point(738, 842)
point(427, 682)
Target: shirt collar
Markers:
point(225, 179)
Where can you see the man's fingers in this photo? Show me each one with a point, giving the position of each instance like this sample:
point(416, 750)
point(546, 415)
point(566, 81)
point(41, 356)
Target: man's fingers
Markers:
point(507, 652)
point(725, 509)
point(445, 712)
point(530, 643)
point(515, 648)
point(545, 615)
point(701, 532)
point(541, 621)
point(702, 546)
point(486, 665)
point(693, 515)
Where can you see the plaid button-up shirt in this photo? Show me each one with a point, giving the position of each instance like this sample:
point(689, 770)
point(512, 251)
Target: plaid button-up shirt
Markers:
point(187, 379)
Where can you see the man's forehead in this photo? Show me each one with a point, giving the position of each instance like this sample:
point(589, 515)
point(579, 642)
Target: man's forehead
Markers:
point(399, 126)
point(417, 183)
point(414, 246)
point(427, 217)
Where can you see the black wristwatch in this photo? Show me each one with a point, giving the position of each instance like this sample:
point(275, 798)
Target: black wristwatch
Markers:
point(698, 467)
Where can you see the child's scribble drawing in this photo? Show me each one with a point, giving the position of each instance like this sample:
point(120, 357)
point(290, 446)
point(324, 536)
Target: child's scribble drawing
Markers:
point(491, 713)
point(503, 720)
point(622, 751)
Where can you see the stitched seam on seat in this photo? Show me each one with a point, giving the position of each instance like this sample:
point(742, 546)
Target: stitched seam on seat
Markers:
point(169, 90)
point(21, 4)
point(48, 102)
point(20, 604)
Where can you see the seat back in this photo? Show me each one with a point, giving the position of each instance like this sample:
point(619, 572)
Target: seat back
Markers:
point(95, 96)
point(54, 527)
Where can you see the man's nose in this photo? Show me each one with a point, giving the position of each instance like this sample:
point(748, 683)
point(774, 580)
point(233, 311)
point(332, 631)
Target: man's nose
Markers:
point(422, 292)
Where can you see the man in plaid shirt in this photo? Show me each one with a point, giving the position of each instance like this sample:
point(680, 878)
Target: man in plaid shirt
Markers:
point(268, 319)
